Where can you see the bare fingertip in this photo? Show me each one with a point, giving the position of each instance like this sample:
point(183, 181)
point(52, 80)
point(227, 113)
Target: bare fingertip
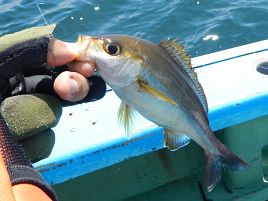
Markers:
point(86, 69)
point(72, 47)
point(61, 52)
point(71, 86)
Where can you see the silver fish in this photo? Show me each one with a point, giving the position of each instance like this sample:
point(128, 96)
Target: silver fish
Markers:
point(159, 82)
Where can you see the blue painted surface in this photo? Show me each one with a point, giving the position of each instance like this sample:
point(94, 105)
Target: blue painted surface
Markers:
point(90, 138)
point(237, 112)
point(95, 158)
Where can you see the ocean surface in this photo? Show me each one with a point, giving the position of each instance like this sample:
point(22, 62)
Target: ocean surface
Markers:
point(204, 26)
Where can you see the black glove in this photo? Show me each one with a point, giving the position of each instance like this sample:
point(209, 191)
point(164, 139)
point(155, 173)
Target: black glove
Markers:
point(17, 163)
point(41, 81)
point(23, 70)
point(23, 67)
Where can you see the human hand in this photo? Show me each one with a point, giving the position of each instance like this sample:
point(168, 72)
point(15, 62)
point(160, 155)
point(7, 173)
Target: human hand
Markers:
point(22, 72)
point(70, 85)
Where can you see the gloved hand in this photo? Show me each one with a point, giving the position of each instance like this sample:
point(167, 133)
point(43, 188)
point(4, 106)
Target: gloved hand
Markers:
point(27, 61)
point(30, 118)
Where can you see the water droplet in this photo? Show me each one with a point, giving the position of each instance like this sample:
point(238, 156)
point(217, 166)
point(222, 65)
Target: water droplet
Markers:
point(72, 18)
point(74, 129)
point(87, 108)
point(81, 18)
point(96, 8)
point(211, 37)
point(197, 2)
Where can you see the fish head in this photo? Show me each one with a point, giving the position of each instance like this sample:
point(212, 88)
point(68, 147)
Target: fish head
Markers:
point(118, 58)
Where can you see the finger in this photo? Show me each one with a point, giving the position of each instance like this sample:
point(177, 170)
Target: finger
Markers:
point(84, 68)
point(71, 86)
point(60, 53)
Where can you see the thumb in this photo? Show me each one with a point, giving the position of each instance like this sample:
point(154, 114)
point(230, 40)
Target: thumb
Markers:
point(60, 53)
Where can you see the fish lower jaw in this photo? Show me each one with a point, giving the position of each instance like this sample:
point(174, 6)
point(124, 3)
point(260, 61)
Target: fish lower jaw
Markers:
point(115, 82)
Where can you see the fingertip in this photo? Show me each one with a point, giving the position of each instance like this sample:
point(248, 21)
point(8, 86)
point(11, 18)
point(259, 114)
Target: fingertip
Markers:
point(73, 48)
point(60, 53)
point(71, 86)
point(84, 68)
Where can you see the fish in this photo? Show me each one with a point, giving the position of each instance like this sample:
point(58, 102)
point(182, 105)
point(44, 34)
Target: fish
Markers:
point(159, 82)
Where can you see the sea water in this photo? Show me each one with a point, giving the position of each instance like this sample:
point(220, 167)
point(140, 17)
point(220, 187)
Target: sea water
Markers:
point(204, 26)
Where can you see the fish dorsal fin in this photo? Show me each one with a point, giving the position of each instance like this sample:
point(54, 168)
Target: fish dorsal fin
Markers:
point(178, 53)
point(126, 115)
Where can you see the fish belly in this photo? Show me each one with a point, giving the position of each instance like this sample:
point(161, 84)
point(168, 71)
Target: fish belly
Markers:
point(165, 114)
point(159, 111)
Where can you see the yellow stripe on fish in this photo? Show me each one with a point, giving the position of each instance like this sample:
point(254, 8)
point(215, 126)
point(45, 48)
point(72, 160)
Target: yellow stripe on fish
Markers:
point(150, 90)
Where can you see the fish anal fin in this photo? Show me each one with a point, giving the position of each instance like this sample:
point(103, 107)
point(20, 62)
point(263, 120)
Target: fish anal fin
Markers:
point(126, 115)
point(175, 141)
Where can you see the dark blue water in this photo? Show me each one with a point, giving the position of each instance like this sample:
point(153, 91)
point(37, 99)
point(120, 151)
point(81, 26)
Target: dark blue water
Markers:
point(205, 26)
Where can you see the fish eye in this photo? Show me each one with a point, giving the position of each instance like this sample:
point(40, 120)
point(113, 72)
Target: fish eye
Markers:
point(113, 49)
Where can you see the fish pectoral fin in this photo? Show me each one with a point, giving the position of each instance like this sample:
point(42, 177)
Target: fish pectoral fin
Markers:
point(175, 141)
point(126, 116)
point(154, 92)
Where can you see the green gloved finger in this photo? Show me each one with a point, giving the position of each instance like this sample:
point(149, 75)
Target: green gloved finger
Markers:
point(30, 118)
point(28, 115)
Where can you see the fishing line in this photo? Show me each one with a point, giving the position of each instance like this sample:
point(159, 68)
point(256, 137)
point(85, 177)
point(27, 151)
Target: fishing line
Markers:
point(41, 13)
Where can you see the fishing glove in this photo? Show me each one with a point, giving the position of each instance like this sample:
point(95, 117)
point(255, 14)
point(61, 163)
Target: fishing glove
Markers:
point(17, 163)
point(23, 67)
point(23, 70)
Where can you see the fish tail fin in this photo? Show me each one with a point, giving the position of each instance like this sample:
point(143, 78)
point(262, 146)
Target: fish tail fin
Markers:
point(213, 170)
point(224, 159)
point(230, 160)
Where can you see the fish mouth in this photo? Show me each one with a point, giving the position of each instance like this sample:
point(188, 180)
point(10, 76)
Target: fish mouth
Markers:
point(87, 45)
